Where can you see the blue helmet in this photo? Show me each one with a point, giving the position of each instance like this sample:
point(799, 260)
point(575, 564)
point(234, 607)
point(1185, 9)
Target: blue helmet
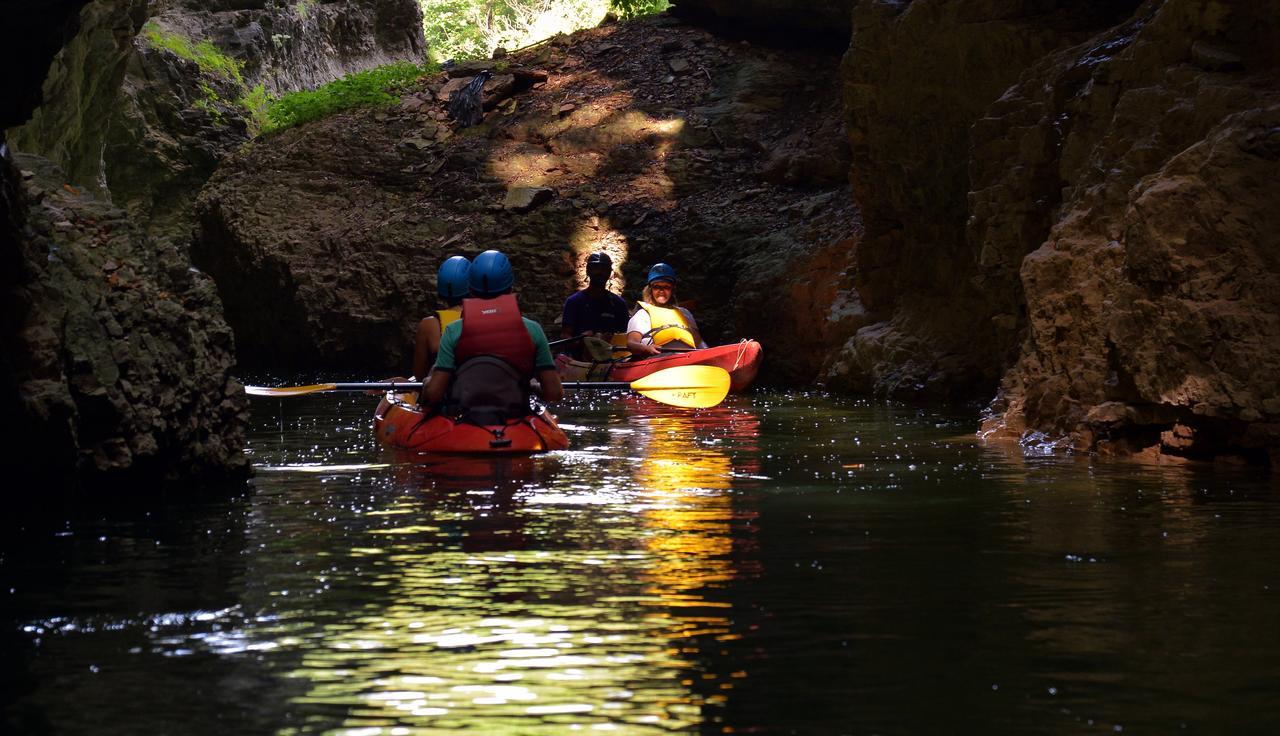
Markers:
point(453, 281)
point(661, 272)
point(491, 274)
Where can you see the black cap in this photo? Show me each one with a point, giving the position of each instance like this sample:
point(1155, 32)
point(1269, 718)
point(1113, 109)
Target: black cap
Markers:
point(601, 258)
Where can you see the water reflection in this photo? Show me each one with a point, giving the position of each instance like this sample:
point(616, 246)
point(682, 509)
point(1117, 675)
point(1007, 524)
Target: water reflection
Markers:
point(529, 595)
point(789, 563)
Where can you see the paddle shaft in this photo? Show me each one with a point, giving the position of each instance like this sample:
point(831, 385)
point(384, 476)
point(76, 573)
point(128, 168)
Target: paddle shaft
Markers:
point(376, 386)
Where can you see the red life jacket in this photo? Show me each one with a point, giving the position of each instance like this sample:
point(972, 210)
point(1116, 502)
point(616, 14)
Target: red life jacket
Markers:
point(495, 327)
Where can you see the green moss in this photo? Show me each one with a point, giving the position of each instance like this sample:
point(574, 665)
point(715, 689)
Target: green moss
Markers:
point(303, 8)
point(203, 53)
point(370, 88)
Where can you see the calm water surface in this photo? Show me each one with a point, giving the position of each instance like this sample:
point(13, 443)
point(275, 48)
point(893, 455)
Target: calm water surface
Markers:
point(784, 563)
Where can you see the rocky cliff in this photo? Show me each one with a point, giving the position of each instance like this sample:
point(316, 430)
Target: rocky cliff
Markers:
point(653, 140)
point(114, 358)
point(1151, 265)
point(1072, 199)
point(146, 99)
point(1068, 205)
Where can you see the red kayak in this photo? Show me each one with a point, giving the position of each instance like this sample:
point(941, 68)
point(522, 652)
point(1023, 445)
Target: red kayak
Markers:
point(401, 425)
point(741, 359)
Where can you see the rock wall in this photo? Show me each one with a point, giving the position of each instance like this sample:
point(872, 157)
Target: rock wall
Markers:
point(651, 140)
point(145, 127)
point(119, 354)
point(1070, 204)
point(917, 77)
point(113, 354)
point(1151, 265)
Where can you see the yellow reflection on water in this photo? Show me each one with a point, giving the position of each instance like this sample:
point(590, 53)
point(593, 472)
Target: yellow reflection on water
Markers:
point(491, 599)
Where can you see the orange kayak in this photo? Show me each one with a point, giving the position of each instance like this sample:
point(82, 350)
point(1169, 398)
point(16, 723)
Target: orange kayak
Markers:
point(741, 359)
point(401, 425)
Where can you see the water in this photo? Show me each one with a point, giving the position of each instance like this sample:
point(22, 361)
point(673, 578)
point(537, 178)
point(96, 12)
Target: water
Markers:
point(782, 564)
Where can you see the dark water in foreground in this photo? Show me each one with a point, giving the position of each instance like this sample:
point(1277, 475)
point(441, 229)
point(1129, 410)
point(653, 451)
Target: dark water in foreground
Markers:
point(781, 564)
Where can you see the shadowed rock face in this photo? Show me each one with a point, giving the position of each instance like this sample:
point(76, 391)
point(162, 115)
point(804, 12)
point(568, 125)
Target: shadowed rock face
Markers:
point(118, 348)
point(1072, 204)
point(917, 77)
point(114, 357)
point(1152, 283)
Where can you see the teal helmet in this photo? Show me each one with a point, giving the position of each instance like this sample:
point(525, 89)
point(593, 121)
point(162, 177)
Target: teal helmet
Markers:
point(661, 272)
point(491, 274)
point(453, 281)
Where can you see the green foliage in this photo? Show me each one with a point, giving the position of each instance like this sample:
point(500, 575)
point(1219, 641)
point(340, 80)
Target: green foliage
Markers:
point(256, 103)
point(369, 88)
point(468, 29)
point(303, 8)
point(206, 56)
point(455, 29)
point(634, 8)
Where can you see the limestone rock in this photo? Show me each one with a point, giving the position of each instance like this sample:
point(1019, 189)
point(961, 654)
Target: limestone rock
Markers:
point(915, 84)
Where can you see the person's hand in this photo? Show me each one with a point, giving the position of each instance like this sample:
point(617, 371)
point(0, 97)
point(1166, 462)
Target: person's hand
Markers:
point(652, 349)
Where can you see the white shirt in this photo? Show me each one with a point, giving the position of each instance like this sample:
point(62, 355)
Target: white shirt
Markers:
point(641, 322)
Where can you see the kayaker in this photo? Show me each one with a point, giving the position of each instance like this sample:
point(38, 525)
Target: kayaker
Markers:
point(488, 357)
point(659, 322)
point(595, 311)
point(453, 285)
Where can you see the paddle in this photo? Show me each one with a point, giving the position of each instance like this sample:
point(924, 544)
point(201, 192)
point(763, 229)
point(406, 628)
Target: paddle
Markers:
point(689, 386)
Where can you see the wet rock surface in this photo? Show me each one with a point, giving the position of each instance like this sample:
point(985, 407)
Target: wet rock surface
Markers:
point(116, 349)
point(324, 239)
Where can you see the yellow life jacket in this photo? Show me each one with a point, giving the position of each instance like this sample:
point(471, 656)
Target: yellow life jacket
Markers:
point(447, 316)
point(667, 325)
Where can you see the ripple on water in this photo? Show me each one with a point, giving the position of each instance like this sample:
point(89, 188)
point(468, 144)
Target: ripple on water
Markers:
point(783, 562)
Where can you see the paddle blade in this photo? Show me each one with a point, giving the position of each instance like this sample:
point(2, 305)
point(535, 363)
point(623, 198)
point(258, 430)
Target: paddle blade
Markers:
point(289, 390)
point(690, 386)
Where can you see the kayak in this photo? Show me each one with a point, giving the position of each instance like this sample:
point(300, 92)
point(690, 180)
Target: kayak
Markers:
point(401, 425)
point(741, 359)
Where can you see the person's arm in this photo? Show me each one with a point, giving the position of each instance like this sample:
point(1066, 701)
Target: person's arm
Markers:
point(550, 388)
point(637, 346)
point(425, 346)
point(636, 327)
point(437, 387)
point(442, 373)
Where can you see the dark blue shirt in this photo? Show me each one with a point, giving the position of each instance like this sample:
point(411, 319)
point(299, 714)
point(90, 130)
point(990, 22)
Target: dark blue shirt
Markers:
point(583, 313)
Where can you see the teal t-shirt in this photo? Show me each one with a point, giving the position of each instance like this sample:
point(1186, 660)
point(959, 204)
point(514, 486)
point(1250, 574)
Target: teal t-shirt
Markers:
point(542, 359)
